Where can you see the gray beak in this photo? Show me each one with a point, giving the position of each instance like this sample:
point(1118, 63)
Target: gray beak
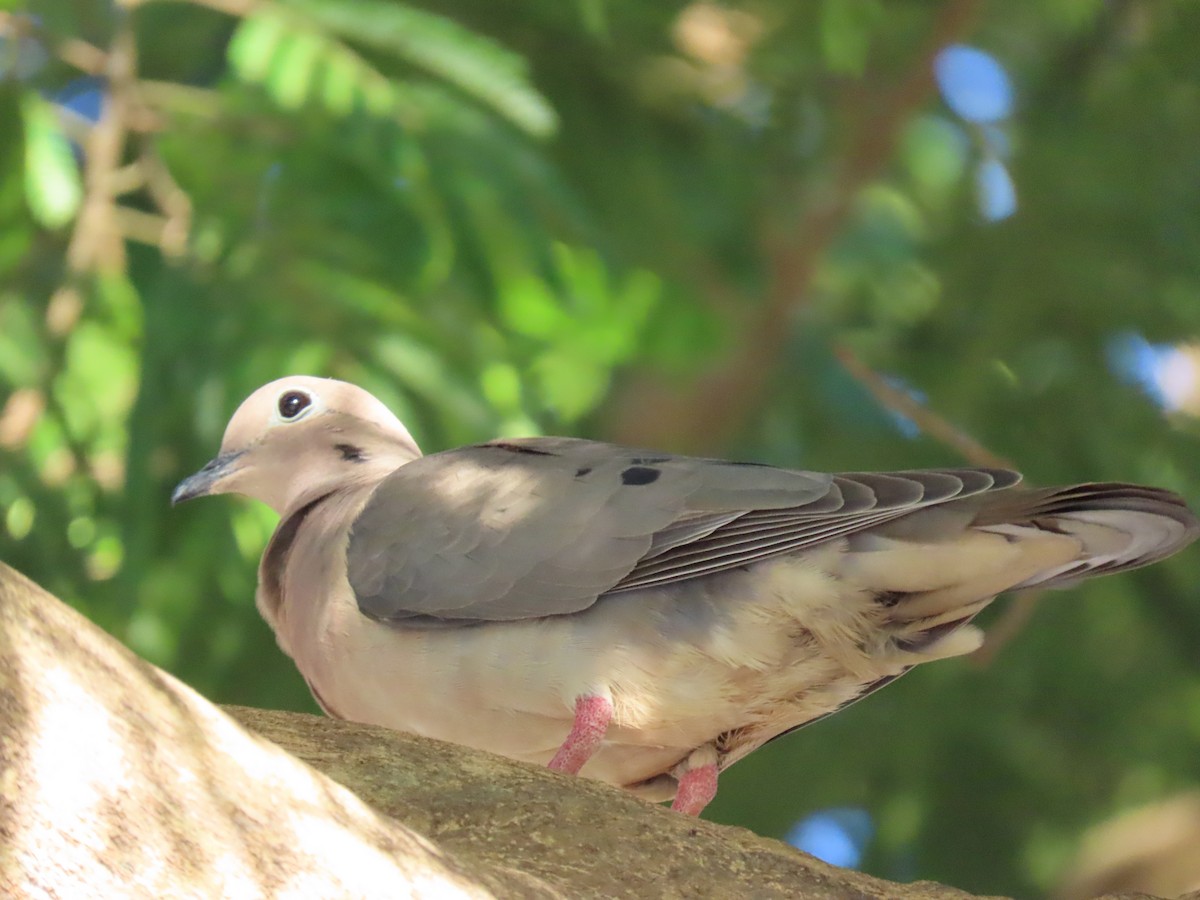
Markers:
point(203, 482)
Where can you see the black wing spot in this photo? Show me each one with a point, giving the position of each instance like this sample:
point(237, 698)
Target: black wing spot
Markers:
point(350, 453)
point(579, 473)
point(521, 448)
point(639, 475)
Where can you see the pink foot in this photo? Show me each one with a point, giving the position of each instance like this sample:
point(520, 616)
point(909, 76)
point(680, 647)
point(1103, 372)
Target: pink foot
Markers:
point(592, 715)
point(697, 787)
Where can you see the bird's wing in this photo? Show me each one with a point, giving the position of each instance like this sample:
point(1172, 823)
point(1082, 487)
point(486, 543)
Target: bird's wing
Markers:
point(544, 526)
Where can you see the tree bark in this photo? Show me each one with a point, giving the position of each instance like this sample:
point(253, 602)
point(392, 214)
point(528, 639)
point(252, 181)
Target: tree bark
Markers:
point(116, 780)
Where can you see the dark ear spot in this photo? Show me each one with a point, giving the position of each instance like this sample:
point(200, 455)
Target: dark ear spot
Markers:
point(635, 475)
point(350, 453)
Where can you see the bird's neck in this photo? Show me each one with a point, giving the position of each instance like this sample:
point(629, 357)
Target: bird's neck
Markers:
point(323, 520)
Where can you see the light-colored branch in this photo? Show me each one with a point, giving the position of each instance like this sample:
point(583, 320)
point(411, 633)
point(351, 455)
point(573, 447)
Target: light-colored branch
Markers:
point(173, 200)
point(96, 242)
point(103, 224)
point(83, 56)
point(118, 781)
point(143, 227)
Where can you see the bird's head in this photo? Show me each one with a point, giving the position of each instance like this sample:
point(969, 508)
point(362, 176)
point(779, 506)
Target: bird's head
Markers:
point(297, 439)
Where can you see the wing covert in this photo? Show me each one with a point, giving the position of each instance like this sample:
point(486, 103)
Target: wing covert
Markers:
point(539, 527)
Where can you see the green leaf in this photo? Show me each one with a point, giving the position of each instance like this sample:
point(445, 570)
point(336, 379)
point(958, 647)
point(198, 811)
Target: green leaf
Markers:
point(572, 386)
point(297, 63)
point(340, 86)
point(528, 307)
point(501, 385)
point(254, 44)
point(293, 69)
point(22, 354)
point(478, 66)
point(53, 187)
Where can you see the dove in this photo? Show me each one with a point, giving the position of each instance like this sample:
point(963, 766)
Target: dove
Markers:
point(636, 617)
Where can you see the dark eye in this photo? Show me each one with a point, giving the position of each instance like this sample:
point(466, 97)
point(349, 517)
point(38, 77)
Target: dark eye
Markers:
point(293, 403)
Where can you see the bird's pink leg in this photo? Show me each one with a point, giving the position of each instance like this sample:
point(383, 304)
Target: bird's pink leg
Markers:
point(697, 787)
point(592, 715)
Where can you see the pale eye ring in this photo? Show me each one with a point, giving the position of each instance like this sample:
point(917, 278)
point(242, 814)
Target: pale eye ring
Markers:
point(292, 404)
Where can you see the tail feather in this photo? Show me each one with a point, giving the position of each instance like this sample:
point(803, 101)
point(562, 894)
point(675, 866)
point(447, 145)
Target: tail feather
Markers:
point(1121, 526)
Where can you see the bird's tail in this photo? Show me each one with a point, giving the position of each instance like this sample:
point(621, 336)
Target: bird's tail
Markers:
point(1121, 526)
point(936, 570)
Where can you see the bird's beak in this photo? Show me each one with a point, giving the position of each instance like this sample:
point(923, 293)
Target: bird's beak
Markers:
point(207, 480)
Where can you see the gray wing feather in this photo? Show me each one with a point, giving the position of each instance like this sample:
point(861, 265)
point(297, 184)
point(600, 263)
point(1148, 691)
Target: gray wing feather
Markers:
point(544, 526)
point(862, 500)
point(538, 527)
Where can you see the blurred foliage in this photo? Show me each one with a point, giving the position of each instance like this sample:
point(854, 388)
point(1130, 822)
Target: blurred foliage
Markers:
point(660, 223)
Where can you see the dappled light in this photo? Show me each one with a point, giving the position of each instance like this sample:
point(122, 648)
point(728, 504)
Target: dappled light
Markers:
point(834, 236)
point(118, 781)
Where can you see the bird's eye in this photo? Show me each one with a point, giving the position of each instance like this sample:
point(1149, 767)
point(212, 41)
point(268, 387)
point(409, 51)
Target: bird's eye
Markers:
point(292, 404)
